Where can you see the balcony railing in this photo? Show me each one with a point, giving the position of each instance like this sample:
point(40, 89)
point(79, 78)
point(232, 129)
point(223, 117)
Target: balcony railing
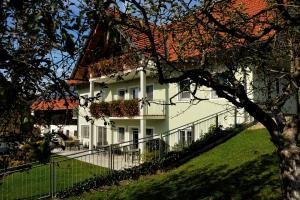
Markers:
point(156, 108)
point(127, 109)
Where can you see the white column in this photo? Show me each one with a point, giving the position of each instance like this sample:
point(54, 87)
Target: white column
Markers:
point(142, 107)
point(91, 142)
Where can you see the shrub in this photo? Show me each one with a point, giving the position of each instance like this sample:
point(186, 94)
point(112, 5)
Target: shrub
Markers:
point(148, 156)
point(130, 108)
point(100, 109)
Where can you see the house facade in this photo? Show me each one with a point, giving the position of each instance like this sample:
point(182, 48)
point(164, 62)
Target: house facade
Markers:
point(134, 105)
point(155, 115)
point(56, 116)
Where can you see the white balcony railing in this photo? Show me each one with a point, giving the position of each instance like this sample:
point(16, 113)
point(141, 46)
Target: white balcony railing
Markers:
point(156, 108)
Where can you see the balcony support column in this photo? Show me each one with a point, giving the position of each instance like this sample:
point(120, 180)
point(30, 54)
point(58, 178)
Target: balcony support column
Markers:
point(143, 105)
point(91, 141)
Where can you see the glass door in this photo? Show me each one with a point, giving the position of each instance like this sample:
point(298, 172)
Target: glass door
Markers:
point(135, 138)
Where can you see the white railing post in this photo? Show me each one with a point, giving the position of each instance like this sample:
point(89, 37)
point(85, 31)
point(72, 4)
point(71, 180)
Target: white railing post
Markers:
point(91, 141)
point(143, 107)
point(235, 117)
point(160, 145)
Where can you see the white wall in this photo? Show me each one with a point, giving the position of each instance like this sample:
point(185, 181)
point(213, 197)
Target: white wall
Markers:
point(64, 128)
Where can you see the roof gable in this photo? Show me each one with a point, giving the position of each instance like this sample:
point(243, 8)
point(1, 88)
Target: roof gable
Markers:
point(100, 52)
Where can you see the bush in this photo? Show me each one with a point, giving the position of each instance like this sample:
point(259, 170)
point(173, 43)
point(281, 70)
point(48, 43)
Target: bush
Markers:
point(149, 156)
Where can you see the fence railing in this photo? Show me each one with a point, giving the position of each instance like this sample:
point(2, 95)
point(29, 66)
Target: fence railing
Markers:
point(65, 170)
point(36, 180)
point(133, 152)
point(156, 108)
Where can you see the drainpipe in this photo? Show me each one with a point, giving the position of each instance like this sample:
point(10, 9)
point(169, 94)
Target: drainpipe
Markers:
point(91, 141)
point(142, 108)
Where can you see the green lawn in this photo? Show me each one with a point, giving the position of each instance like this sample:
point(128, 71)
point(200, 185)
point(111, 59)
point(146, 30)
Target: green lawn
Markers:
point(36, 181)
point(244, 167)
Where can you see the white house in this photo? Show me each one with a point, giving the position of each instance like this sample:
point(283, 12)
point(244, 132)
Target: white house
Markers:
point(137, 81)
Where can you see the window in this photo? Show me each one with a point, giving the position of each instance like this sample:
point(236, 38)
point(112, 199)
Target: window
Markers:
point(135, 138)
point(149, 92)
point(181, 139)
point(149, 133)
point(85, 131)
point(190, 137)
point(121, 134)
point(102, 136)
point(213, 94)
point(184, 89)
point(121, 94)
point(75, 133)
point(151, 145)
point(134, 93)
point(68, 133)
point(185, 137)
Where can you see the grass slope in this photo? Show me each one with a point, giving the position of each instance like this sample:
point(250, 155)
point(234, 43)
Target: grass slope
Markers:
point(244, 167)
point(36, 181)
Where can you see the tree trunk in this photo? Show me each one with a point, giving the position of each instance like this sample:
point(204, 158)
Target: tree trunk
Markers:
point(289, 160)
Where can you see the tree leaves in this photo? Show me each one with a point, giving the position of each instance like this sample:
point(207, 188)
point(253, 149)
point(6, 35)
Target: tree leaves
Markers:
point(69, 44)
point(47, 21)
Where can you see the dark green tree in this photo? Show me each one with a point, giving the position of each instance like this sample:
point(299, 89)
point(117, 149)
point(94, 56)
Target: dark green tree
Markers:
point(39, 45)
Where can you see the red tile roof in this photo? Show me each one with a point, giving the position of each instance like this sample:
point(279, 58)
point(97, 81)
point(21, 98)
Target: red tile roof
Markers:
point(73, 82)
point(60, 104)
point(169, 42)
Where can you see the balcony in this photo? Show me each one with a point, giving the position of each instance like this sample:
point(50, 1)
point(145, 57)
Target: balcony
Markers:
point(128, 109)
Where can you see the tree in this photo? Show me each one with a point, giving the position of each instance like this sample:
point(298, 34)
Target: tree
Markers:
point(188, 39)
point(39, 44)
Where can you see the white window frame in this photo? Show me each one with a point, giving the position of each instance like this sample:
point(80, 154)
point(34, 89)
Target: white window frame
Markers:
point(118, 94)
point(131, 89)
point(103, 141)
point(118, 132)
point(185, 131)
point(75, 133)
point(83, 134)
point(180, 92)
point(130, 128)
point(152, 92)
point(150, 128)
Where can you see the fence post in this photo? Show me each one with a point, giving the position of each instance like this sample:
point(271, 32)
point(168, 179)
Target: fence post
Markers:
point(160, 145)
point(110, 156)
point(193, 132)
point(217, 121)
point(235, 117)
point(52, 178)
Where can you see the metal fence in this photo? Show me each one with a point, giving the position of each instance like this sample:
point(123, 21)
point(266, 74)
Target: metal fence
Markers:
point(132, 153)
point(37, 180)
